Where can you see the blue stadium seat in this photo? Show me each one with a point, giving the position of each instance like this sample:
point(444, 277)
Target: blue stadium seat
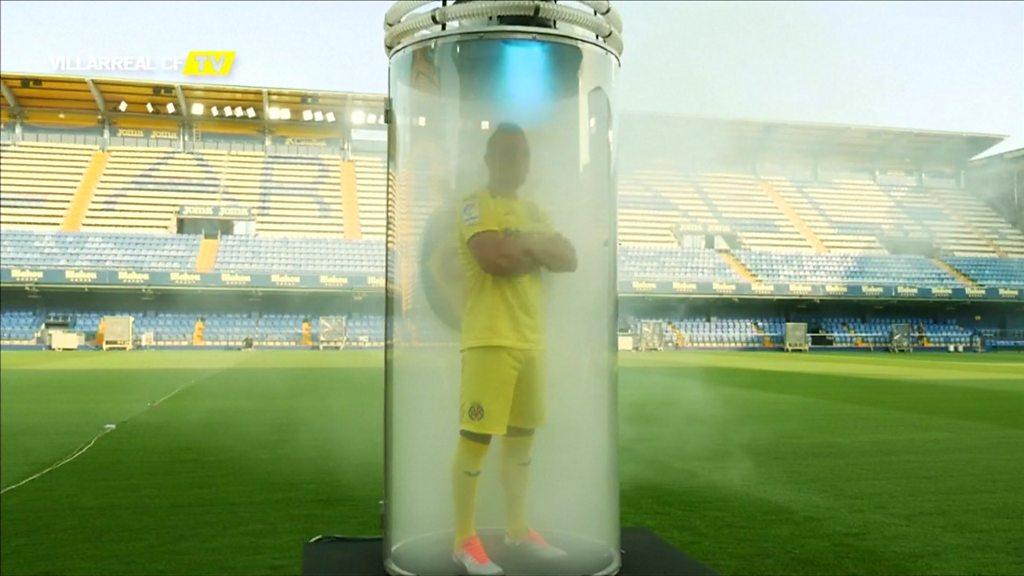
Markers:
point(667, 263)
point(998, 272)
point(846, 268)
point(319, 256)
point(105, 250)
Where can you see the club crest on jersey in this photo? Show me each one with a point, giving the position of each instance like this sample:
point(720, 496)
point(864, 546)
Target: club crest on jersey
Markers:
point(475, 412)
point(470, 213)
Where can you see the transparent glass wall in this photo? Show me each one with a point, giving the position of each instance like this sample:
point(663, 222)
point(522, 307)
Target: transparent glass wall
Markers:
point(449, 97)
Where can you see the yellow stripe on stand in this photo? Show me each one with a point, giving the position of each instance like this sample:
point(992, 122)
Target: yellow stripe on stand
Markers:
point(350, 200)
point(83, 194)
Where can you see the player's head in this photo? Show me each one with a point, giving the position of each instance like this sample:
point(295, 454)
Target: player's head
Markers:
point(507, 156)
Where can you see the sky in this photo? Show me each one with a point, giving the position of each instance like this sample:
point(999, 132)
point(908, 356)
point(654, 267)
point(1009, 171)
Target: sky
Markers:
point(927, 65)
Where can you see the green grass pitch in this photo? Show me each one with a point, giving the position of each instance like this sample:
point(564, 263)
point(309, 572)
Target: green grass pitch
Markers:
point(751, 462)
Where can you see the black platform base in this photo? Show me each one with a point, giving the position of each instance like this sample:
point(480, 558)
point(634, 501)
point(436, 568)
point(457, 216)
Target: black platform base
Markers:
point(643, 552)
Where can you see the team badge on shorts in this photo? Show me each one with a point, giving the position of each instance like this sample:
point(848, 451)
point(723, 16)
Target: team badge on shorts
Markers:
point(475, 412)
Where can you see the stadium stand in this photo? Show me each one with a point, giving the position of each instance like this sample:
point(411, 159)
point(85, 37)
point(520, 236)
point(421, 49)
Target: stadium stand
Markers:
point(723, 332)
point(853, 332)
point(657, 262)
point(990, 271)
point(168, 328)
point(790, 232)
point(365, 331)
point(98, 250)
point(651, 202)
point(280, 329)
point(943, 333)
point(837, 216)
point(848, 268)
point(285, 330)
point(39, 181)
point(779, 222)
point(1000, 339)
point(221, 329)
point(877, 332)
point(372, 182)
point(296, 196)
point(229, 329)
point(18, 326)
point(841, 332)
point(775, 210)
point(329, 255)
point(141, 190)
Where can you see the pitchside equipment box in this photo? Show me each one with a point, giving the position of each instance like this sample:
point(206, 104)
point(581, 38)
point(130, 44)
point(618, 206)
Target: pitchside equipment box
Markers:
point(796, 337)
point(63, 339)
point(118, 332)
point(901, 338)
point(333, 332)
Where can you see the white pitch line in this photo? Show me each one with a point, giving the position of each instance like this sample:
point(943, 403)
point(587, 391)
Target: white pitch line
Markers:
point(106, 430)
point(75, 454)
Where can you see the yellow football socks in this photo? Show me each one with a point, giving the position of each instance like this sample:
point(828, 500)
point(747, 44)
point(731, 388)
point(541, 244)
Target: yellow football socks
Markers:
point(515, 473)
point(469, 459)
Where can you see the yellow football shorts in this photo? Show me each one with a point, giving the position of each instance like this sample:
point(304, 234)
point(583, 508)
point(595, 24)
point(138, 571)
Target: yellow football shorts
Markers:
point(501, 387)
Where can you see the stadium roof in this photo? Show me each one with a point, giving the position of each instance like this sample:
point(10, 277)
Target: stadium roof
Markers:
point(84, 100)
point(81, 100)
point(1011, 157)
point(753, 138)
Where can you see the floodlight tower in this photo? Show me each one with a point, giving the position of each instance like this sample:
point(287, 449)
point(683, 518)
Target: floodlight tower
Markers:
point(501, 133)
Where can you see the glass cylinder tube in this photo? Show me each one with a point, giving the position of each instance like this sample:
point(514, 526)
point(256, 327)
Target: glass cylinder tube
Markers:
point(501, 300)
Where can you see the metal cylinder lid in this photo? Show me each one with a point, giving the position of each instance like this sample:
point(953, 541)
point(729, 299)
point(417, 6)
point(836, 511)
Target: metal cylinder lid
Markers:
point(595, 21)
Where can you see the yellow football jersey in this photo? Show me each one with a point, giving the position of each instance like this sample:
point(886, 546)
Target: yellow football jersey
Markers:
point(500, 310)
